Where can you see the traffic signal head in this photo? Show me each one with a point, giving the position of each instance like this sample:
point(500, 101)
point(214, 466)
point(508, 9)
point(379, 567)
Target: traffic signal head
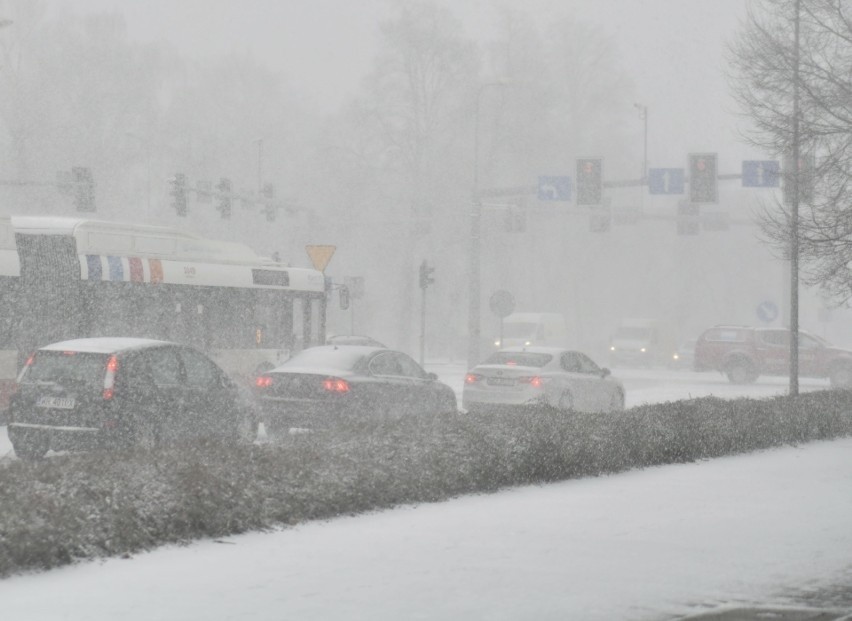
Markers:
point(426, 277)
point(703, 179)
point(343, 292)
point(179, 194)
point(589, 181)
point(224, 206)
point(84, 188)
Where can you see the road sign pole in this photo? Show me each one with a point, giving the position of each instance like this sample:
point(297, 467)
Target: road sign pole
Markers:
point(422, 325)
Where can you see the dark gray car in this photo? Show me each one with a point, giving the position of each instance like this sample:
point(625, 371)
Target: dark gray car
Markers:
point(114, 392)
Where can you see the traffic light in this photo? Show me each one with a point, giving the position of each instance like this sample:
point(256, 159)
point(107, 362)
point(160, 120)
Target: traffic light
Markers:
point(805, 178)
point(426, 277)
point(179, 194)
point(267, 197)
point(589, 181)
point(224, 206)
point(687, 218)
point(84, 188)
point(703, 181)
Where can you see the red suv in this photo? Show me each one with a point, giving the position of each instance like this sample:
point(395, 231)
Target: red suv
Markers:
point(744, 353)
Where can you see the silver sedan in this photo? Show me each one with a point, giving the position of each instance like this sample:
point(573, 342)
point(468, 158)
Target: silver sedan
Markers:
point(541, 376)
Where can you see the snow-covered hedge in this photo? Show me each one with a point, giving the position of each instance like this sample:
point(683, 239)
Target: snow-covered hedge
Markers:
point(72, 507)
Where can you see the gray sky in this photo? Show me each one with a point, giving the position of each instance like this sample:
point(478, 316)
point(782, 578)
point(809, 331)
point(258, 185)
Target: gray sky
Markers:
point(673, 48)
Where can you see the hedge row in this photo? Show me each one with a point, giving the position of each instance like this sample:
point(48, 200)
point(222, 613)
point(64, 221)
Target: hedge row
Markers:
point(84, 506)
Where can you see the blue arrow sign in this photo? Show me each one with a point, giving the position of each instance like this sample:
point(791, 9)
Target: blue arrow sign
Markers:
point(665, 181)
point(767, 311)
point(761, 173)
point(554, 188)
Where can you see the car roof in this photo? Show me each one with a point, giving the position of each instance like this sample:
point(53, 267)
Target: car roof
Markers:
point(104, 345)
point(534, 349)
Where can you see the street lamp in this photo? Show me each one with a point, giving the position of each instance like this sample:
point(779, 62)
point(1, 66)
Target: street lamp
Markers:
point(475, 231)
point(147, 146)
point(643, 111)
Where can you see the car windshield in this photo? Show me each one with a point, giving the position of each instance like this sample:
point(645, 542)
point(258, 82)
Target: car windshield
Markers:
point(515, 330)
point(56, 366)
point(519, 358)
point(632, 333)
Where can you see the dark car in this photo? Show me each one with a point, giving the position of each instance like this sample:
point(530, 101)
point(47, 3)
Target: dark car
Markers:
point(114, 392)
point(323, 385)
point(744, 353)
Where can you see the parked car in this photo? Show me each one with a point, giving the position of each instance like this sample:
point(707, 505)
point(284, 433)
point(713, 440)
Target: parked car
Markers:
point(541, 376)
point(115, 392)
point(684, 356)
point(745, 353)
point(323, 385)
point(353, 339)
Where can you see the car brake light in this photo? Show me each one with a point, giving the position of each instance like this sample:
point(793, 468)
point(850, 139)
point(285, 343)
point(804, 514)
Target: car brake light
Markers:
point(335, 384)
point(109, 378)
point(472, 378)
point(30, 360)
point(535, 381)
point(263, 381)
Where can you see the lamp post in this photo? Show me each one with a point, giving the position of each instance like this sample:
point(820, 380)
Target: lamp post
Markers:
point(147, 146)
point(643, 111)
point(474, 285)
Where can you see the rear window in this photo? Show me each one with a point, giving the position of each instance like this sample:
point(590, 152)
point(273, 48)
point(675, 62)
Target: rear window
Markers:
point(519, 358)
point(330, 358)
point(57, 366)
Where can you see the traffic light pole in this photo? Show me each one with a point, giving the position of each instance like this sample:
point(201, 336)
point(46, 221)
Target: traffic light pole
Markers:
point(422, 325)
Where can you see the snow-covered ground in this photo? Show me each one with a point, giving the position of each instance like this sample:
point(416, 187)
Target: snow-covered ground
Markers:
point(646, 544)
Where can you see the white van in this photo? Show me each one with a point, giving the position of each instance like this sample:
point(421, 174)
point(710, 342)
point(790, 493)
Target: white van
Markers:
point(523, 329)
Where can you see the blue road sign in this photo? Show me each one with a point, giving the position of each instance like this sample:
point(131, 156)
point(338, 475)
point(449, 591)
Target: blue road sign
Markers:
point(554, 188)
point(767, 311)
point(665, 181)
point(761, 173)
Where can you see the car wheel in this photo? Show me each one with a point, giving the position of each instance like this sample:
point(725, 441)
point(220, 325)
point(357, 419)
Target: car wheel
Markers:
point(246, 427)
point(840, 375)
point(741, 372)
point(616, 403)
point(566, 402)
point(30, 449)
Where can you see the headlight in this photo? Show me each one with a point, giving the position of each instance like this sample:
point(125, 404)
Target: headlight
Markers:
point(642, 350)
point(612, 348)
point(675, 356)
point(497, 343)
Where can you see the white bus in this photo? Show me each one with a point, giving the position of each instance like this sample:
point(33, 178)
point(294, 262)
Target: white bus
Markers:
point(68, 277)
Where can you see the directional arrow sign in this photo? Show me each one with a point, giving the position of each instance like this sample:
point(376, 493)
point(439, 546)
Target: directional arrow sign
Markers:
point(554, 188)
point(665, 181)
point(761, 174)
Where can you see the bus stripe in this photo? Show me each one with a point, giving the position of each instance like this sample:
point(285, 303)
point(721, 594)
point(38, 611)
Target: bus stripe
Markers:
point(116, 270)
point(156, 271)
point(93, 263)
point(136, 269)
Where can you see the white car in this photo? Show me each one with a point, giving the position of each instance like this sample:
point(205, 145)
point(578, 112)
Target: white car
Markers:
point(534, 376)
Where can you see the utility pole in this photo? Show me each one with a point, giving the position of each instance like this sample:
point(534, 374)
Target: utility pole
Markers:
point(794, 217)
point(426, 279)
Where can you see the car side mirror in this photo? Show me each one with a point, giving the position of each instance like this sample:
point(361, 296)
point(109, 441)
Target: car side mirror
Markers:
point(605, 372)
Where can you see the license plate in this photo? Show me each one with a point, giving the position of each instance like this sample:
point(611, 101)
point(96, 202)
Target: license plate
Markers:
point(60, 403)
point(501, 381)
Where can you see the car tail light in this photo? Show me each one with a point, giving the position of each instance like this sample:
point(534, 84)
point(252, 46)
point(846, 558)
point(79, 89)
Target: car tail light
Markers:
point(472, 378)
point(535, 381)
point(109, 378)
point(335, 384)
point(263, 381)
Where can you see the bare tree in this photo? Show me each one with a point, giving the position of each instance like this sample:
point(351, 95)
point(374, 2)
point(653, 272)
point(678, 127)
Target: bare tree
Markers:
point(763, 61)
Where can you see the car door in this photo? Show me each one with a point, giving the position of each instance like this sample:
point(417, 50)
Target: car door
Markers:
point(168, 398)
point(420, 396)
point(774, 351)
point(388, 386)
point(209, 401)
point(577, 381)
point(600, 390)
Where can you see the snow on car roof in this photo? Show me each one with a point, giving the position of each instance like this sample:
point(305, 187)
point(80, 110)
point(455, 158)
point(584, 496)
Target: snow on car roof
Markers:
point(329, 357)
point(102, 345)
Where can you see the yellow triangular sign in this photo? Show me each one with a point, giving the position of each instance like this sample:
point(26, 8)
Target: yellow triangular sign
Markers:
point(320, 255)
